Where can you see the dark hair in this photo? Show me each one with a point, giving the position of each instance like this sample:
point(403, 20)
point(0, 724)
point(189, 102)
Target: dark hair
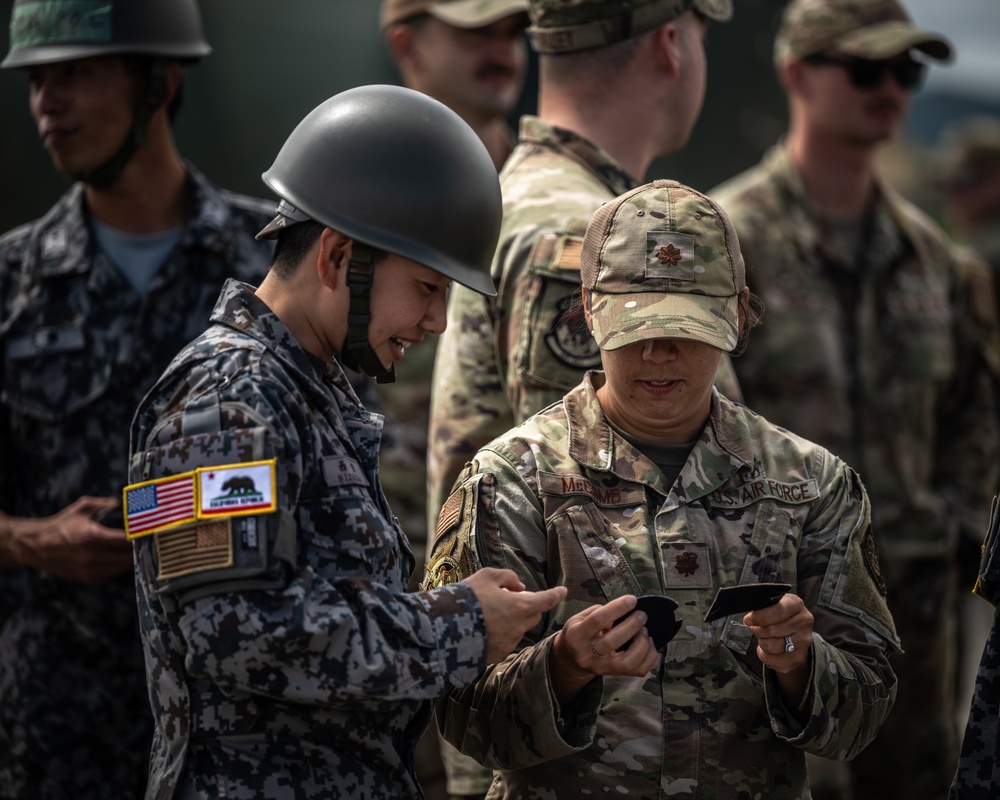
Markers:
point(141, 68)
point(296, 240)
point(292, 245)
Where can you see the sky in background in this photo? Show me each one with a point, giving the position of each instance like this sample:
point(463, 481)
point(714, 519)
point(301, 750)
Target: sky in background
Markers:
point(973, 27)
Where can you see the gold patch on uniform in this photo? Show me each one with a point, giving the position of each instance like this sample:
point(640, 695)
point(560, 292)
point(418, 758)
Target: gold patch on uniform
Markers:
point(196, 548)
point(869, 553)
point(449, 566)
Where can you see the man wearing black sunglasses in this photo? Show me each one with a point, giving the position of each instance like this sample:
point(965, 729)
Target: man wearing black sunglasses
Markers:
point(873, 346)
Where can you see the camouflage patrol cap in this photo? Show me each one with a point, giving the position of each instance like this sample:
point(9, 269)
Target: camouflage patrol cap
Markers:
point(567, 26)
point(873, 29)
point(663, 261)
point(460, 13)
point(969, 150)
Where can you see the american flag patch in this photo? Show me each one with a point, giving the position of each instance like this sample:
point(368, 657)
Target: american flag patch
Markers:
point(160, 504)
point(183, 551)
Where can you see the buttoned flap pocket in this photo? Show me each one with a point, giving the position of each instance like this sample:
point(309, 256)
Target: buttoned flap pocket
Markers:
point(54, 371)
point(593, 561)
point(554, 346)
point(343, 527)
point(769, 557)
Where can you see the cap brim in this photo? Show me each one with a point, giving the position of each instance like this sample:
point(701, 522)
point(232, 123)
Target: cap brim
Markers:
point(715, 10)
point(888, 39)
point(623, 319)
point(271, 230)
point(475, 13)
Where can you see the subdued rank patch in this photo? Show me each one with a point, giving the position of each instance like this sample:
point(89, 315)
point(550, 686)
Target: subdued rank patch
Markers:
point(869, 552)
point(449, 566)
point(686, 565)
point(234, 490)
point(670, 255)
point(196, 548)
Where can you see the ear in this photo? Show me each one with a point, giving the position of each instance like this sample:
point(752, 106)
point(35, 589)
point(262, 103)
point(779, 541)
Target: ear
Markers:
point(666, 43)
point(586, 308)
point(791, 75)
point(175, 76)
point(741, 305)
point(400, 40)
point(333, 253)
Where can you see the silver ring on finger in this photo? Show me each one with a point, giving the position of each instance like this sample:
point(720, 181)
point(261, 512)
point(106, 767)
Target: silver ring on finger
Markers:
point(789, 645)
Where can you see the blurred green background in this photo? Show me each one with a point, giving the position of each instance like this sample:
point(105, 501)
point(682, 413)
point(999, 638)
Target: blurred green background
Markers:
point(274, 61)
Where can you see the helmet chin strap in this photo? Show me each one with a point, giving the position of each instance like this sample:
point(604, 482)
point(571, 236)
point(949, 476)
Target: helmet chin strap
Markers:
point(156, 91)
point(357, 352)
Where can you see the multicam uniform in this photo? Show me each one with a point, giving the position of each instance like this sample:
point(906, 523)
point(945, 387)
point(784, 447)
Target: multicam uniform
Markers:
point(284, 657)
point(497, 364)
point(563, 499)
point(80, 348)
point(879, 354)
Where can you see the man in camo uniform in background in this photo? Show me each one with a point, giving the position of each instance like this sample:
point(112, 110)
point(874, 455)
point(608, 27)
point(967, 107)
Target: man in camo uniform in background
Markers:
point(875, 345)
point(95, 298)
point(643, 63)
point(645, 480)
point(284, 655)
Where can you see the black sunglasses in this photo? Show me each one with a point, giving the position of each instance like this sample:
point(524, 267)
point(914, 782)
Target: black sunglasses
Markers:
point(864, 73)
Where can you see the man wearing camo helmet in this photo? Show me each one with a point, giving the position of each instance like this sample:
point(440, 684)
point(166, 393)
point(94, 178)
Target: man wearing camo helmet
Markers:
point(646, 481)
point(876, 345)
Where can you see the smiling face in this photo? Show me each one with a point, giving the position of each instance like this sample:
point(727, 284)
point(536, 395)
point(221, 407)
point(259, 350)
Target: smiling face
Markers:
point(659, 389)
point(407, 301)
point(84, 110)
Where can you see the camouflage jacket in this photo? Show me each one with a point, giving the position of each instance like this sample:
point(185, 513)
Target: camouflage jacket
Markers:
point(501, 361)
point(79, 350)
point(882, 356)
point(978, 773)
point(563, 500)
point(284, 658)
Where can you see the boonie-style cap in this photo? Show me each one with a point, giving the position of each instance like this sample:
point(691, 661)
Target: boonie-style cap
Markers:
point(567, 26)
point(660, 262)
point(460, 13)
point(873, 29)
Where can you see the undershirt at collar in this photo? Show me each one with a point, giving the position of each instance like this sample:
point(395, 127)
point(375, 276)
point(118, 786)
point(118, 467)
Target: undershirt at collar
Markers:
point(137, 256)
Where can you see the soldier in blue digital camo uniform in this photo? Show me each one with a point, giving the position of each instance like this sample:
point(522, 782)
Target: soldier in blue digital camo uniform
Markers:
point(95, 299)
point(285, 658)
point(978, 773)
point(646, 480)
point(878, 343)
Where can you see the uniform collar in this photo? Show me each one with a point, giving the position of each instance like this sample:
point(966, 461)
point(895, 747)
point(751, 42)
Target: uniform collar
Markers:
point(723, 447)
point(538, 132)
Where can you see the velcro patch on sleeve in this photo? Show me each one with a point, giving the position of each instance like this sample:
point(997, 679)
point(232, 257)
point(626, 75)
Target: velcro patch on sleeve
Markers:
point(157, 505)
point(196, 548)
point(229, 490)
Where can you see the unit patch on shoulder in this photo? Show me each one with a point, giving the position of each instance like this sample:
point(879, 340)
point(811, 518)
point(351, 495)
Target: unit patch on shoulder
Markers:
point(869, 552)
point(569, 338)
point(196, 548)
point(449, 566)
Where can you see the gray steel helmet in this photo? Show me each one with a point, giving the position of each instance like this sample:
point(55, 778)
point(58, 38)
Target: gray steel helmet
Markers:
point(48, 31)
point(399, 171)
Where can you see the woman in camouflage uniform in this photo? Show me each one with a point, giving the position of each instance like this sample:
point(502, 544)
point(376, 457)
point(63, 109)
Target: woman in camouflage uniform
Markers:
point(645, 481)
